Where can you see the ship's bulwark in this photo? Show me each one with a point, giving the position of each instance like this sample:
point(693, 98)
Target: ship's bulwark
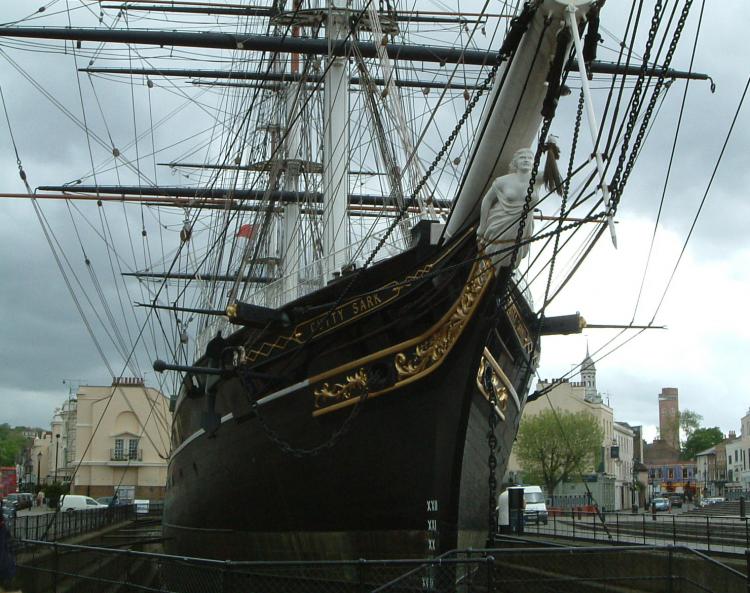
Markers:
point(408, 479)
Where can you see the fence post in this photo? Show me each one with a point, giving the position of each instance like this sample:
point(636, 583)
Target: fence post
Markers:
point(747, 569)
point(554, 525)
point(593, 520)
point(361, 574)
point(574, 524)
point(644, 529)
point(708, 534)
point(56, 566)
point(225, 576)
point(670, 584)
point(490, 573)
point(617, 527)
point(674, 531)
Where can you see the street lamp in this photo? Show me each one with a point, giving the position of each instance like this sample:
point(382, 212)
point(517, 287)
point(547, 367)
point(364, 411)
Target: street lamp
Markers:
point(57, 446)
point(39, 469)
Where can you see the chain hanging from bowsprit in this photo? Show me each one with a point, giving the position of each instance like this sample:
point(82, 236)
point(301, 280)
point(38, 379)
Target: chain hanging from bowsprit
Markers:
point(505, 291)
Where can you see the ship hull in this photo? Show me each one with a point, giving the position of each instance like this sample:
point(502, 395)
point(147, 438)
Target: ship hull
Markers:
point(347, 466)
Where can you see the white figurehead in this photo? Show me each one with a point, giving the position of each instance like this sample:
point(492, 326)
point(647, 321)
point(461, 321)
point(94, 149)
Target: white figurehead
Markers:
point(502, 208)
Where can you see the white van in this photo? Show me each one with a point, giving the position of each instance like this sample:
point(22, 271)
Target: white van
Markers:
point(78, 502)
point(534, 506)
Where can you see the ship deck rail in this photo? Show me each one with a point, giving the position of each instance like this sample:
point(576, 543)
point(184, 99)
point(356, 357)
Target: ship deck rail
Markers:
point(62, 567)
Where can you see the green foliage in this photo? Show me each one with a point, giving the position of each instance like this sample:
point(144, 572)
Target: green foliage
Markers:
point(690, 421)
point(700, 440)
point(552, 448)
point(11, 444)
point(53, 492)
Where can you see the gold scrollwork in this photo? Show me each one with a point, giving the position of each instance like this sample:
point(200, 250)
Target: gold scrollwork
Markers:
point(522, 331)
point(354, 387)
point(432, 350)
point(496, 384)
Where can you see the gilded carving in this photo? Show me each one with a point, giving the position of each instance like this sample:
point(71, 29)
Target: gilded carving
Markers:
point(498, 383)
point(421, 355)
point(523, 333)
point(354, 388)
point(433, 349)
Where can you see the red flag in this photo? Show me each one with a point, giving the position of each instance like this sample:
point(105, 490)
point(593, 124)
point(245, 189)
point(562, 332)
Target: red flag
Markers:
point(247, 231)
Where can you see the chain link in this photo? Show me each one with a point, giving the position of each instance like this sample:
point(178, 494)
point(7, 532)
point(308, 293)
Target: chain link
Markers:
point(657, 89)
point(274, 436)
point(634, 108)
point(505, 53)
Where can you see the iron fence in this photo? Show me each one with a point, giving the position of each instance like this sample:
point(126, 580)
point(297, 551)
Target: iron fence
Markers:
point(55, 526)
point(725, 534)
point(52, 566)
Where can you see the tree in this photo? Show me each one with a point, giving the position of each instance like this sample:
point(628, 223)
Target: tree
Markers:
point(700, 440)
point(552, 447)
point(689, 422)
point(11, 444)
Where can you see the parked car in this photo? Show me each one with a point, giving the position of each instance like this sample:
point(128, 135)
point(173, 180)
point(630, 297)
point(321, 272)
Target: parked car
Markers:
point(8, 513)
point(676, 501)
point(22, 500)
point(78, 502)
point(661, 504)
point(711, 500)
point(111, 501)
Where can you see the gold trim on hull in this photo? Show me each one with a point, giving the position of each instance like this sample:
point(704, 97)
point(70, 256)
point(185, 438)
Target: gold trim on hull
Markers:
point(499, 383)
point(346, 312)
point(419, 356)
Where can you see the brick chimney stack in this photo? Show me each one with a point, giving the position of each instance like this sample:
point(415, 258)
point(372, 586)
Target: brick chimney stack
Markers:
point(669, 417)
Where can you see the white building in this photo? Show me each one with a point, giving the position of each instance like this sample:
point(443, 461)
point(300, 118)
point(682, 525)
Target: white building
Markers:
point(617, 443)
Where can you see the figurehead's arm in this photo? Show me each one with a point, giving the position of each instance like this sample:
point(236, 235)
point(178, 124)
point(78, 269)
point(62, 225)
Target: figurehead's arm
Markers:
point(487, 201)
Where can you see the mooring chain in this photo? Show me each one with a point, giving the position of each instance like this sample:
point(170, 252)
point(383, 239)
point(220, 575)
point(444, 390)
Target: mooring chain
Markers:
point(506, 52)
point(505, 291)
point(285, 447)
point(616, 186)
point(657, 89)
point(563, 202)
point(492, 463)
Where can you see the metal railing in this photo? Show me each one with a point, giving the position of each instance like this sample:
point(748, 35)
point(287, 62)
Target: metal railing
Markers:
point(663, 569)
point(118, 455)
point(724, 534)
point(55, 526)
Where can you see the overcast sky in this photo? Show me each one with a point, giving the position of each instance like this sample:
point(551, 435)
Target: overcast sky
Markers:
point(703, 352)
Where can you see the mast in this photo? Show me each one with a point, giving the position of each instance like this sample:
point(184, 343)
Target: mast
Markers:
point(335, 227)
point(291, 253)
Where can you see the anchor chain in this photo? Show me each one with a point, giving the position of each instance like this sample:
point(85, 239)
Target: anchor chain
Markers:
point(519, 25)
point(505, 292)
point(650, 107)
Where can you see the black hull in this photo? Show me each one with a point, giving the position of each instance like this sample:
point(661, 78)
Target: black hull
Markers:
point(407, 476)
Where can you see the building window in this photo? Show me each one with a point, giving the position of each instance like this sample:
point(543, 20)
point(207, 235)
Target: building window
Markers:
point(133, 449)
point(119, 448)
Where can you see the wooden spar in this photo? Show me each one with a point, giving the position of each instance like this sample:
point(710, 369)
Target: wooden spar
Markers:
point(626, 326)
point(268, 77)
point(197, 195)
point(594, 68)
point(197, 276)
point(208, 202)
point(228, 5)
point(414, 17)
point(307, 46)
point(441, 206)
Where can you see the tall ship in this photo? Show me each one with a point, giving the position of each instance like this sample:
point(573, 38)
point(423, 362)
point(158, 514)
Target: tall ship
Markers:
point(343, 309)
